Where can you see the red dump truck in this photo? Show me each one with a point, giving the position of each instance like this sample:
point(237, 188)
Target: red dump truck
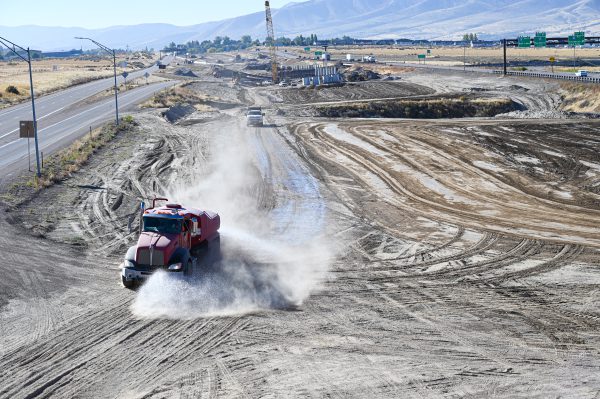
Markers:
point(168, 235)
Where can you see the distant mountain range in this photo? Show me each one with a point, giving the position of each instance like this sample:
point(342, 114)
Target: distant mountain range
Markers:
point(365, 19)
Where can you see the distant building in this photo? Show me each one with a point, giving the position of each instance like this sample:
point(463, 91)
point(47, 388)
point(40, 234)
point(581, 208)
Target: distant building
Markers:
point(62, 54)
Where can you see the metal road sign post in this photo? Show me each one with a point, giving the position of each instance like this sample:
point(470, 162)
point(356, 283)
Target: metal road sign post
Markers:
point(26, 130)
point(125, 74)
point(552, 61)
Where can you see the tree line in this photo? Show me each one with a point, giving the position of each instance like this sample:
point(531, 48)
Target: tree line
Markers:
point(223, 43)
point(470, 37)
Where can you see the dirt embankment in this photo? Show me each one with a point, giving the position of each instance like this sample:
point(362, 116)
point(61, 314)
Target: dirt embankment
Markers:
point(424, 108)
point(581, 98)
point(354, 91)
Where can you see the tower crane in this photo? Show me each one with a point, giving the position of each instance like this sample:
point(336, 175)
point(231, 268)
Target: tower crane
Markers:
point(271, 43)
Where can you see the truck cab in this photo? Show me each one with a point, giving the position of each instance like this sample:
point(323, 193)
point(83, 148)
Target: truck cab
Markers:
point(168, 236)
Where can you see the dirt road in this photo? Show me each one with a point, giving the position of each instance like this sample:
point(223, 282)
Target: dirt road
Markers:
point(379, 258)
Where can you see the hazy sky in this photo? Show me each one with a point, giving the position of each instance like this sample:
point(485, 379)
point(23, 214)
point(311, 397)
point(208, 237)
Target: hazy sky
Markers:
point(104, 13)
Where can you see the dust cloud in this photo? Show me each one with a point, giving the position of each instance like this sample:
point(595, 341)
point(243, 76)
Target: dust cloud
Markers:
point(269, 257)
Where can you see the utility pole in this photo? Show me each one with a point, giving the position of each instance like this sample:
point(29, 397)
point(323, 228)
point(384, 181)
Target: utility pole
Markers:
point(114, 54)
point(35, 129)
point(465, 57)
point(505, 67)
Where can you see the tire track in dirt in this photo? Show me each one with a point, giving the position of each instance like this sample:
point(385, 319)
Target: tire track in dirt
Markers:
point(451, 214)
point(514, 206)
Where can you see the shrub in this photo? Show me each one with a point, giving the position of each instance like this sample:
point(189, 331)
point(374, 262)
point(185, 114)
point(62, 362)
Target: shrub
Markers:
point(13, 90)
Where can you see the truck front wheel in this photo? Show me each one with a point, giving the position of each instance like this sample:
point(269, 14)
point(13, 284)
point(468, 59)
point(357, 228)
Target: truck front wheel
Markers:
point(127, 283)
point(189, 268)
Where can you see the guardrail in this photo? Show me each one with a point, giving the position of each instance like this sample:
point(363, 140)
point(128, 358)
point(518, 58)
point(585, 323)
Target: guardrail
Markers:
point(587, 79)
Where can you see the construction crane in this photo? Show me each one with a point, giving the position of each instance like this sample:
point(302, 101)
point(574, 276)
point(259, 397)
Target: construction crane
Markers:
point(271, 43)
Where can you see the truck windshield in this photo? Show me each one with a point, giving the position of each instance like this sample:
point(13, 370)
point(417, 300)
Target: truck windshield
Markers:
point(162, 225)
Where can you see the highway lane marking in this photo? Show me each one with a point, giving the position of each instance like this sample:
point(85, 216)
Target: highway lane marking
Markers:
point(60, 109)
point(39, 119)
point(70, 90)
point(144, 90)
point(9, 133)
point(105, 103)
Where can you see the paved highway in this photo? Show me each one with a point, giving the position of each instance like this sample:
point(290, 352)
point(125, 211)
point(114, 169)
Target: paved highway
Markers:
point(62, 127)
point(52, 104)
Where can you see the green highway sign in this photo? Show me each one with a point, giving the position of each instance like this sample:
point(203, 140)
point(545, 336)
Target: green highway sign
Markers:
point(524, 41)
point(540, 39)
point(307, 49)
point(318, 53)
point(578, 39)
point(421, 56)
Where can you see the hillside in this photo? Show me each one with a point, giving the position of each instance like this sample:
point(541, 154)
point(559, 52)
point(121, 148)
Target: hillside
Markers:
point(423, 19)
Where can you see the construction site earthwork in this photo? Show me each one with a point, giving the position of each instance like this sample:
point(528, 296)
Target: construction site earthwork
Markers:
point(404, 232)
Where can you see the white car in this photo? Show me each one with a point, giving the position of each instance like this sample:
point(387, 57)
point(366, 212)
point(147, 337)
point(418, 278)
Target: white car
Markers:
point(254, 117)
point(582, 73)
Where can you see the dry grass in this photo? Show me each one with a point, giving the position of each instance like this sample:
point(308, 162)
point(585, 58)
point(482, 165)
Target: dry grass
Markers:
point(177, 95)
point(64, 163)
point(579, 97)
point(384, 69)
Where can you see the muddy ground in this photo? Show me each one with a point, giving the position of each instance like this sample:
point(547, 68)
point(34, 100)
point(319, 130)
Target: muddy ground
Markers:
point(360, 257)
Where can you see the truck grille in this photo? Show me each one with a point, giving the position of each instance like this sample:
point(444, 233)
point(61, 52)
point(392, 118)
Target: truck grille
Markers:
point(144, 258)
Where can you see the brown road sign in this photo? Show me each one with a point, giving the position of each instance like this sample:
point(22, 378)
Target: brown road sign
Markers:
point(26, 129)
